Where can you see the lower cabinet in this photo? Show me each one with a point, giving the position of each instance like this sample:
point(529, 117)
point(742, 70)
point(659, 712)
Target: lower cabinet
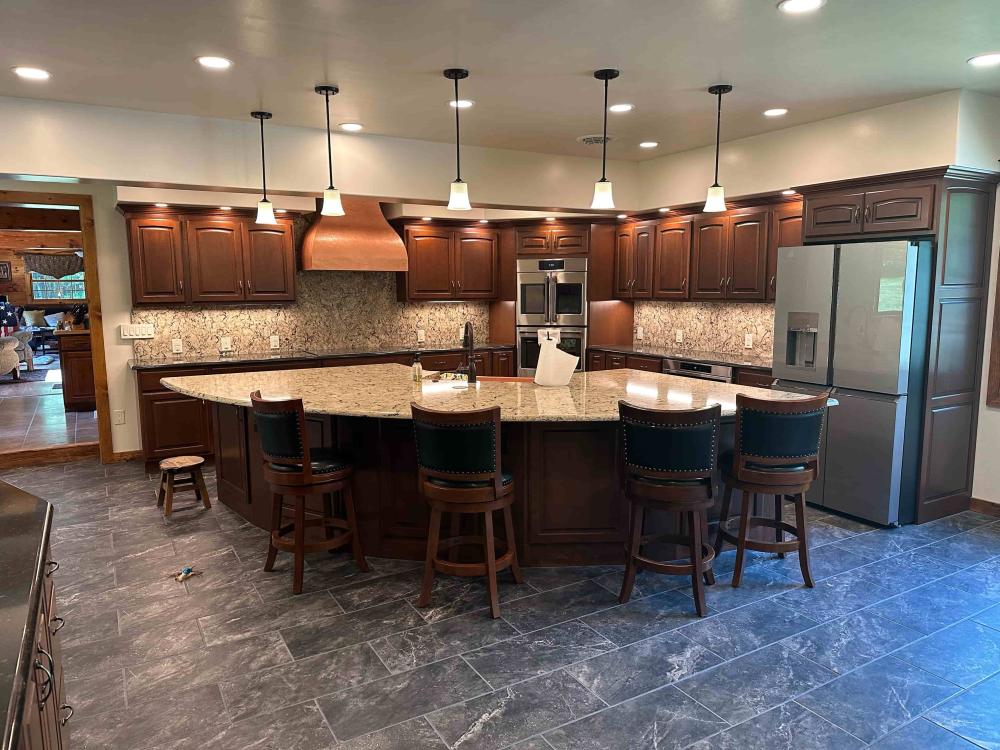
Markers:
point(647, 364)
point(76, 363)
point(171, 423)
point(595, 361)
point(503, 363)
point(757, 378)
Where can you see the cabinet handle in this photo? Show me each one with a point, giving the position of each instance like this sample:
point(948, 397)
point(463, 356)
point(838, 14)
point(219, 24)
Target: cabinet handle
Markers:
point(722, 283)
point(868, 214)
point(249, 285)
point(67, 717)
point(53, 567)
point(771, 282)
point(181, 284)
point(684, 284)
point(857, 215)
point(241, 285)
point(59, 624)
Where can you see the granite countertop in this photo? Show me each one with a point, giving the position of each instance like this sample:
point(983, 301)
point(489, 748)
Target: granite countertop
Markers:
point(214, 358)
point(386, 391)
point(748, 359)
point(25, 521)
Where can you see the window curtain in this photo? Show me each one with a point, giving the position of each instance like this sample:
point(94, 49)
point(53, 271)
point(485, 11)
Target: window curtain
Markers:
point(56, 266)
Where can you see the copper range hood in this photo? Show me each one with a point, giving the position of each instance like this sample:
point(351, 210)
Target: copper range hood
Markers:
point(361, 240)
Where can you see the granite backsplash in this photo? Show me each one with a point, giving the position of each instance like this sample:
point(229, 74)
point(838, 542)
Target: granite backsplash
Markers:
point(711, 326)
point(343, 309)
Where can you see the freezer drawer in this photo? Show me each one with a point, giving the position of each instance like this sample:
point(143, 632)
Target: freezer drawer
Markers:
point(864, 455)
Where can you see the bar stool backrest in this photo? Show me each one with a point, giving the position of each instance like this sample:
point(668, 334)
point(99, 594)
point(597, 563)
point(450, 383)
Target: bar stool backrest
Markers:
point(283, 438)
point(458, 446)
point(777, 442)
point(675, 444)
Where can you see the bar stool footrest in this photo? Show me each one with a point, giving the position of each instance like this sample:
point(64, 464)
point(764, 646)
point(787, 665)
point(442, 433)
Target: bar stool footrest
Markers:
point(282, 538)
point(678, 569)
point(756, 522)
point(503, 561)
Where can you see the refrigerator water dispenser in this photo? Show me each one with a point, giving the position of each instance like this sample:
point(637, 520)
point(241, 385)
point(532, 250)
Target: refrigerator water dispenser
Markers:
point(800, 336)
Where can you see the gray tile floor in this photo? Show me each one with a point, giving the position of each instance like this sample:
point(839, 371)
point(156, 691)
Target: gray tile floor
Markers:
point(898, 646)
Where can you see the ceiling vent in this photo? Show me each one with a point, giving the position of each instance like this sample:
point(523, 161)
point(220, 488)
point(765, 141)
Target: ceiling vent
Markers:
point(595, 140)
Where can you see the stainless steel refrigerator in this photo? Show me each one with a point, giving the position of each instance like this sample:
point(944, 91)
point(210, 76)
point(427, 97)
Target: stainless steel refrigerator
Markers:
point(854, 317)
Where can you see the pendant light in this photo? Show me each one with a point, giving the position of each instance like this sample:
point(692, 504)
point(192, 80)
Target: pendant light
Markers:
point(458, 200)
point(602, 188)
point(265, 211)
point(332, 205)
point(715, 200)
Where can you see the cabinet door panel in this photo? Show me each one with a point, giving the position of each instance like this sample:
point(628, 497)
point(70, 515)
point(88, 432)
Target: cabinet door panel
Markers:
point(231, 465)
point(483, 362)
point(833, 215)
point(747, 255)
point(475, 263)
point(624, 263)
point(156, 260)
point(671, 260)
point(430, 273)
point(174, 425)
point(643, 238)
point(215, 259)
point(78, 380)
point(503, 363)
point(595, 361)
point(785, 231)
point(899, 209)
point(444, 362)
point(569, 240)
point(269, 263)
point(708, 257)
point(646, 364)
point(614, 361)
point(533, 241)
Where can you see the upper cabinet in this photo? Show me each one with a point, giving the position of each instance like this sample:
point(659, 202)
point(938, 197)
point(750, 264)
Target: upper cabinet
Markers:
point(785, 231)
point(549, 239)
point(634, 252)
point(672, 259)
point(708, 256)
point(209, 258)
point(877, 210)
point(447, 263)
point(729, 255)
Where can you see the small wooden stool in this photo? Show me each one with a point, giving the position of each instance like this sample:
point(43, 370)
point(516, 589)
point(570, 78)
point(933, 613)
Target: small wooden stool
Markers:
point(172, 479)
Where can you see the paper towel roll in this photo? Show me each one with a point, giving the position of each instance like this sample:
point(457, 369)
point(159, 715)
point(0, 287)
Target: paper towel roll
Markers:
point(555, 367)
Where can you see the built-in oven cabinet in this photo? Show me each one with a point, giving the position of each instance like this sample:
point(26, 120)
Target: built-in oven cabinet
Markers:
point(449, 263)
point(551, 292)
point(550, 239)
point(570, 340)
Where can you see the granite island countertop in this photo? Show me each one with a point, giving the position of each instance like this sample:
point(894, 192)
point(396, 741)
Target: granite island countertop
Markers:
point(386, 391)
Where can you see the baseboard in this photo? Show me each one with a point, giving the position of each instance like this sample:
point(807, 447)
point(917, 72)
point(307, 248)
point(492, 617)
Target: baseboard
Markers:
point(984, 506)
point(125, 456)
point(53, 454)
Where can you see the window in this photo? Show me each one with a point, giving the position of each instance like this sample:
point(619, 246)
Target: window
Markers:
point(48, 288)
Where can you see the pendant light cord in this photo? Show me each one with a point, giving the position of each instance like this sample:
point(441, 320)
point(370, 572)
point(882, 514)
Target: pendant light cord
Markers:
point(458, 154)
point(329, 146)
point(604, 140)
point(263, 163)
point(718, 138)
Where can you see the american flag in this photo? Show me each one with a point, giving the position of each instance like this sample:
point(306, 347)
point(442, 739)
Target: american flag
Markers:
point(8, 319)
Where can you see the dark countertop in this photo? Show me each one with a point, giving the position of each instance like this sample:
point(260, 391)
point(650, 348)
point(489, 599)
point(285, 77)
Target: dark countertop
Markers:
point(195, 359)
point(25, 521)
point(750, 359)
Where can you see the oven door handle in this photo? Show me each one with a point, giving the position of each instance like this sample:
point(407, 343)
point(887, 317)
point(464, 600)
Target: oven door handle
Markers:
point(550, 299)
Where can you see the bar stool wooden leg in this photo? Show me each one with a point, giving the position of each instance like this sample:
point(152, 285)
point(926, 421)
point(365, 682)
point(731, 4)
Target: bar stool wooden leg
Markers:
point(779, 535)
point(300, 542)
point(727, 498)
point(199, 483)
point(433, 539)
point(272, 551)
point(703, 520)
point(745, 498)
point(352, 524)
point(515, 566)
point(328, 511)
point(491, 566)
point(694, 539)
point(634, 543)
point(168, 501)
point(802, 533)
point(162, 491)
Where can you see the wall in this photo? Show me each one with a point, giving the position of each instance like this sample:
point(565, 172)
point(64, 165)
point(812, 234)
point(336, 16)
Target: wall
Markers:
point(334, 310)
point(707, 326)
point(17, 290)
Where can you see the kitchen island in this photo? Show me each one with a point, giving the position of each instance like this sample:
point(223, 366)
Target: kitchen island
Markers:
point(560, 444)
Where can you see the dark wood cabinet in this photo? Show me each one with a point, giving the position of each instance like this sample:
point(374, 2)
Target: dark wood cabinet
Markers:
point(550, 239)
point(672, 259)
point(156, 260)
point(446, 361)
point(450, 263)
point(878, 210)
point(215, 260)
point(76, 363)
point(503, 363)
point(171, 423)
point(646, 364)
point(709, 256)
point(747, 255)
point(785, 231)
point(758, 378)
point(634, 260)
point(624, 262)
point(614, 361)
point(269, 263)
point(595, 361)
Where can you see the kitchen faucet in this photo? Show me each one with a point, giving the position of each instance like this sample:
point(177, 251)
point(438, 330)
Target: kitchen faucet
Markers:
point(469, 342)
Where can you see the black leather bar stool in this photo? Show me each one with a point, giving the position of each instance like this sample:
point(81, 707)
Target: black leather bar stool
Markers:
point(458, 460)
point(776, 453)
point(667, 462)
point(292, 468)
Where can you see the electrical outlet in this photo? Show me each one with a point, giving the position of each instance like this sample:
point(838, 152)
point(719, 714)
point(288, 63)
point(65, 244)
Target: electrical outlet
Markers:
point(748, 341)
point(226, 344)
point(177, 346)
point(421, 336)
point(678, 335)
point(275, 342)
point(461, 332)
point(639, 333)
point(118, 416)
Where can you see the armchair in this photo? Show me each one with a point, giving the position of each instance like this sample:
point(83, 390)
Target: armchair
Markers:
point(9, 359)
point(24, 351)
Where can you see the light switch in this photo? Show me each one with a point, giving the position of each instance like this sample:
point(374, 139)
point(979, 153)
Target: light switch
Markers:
point(748, 341)
point(118, 416)
point(177, 346)
point(421, 336)
point(678, 335)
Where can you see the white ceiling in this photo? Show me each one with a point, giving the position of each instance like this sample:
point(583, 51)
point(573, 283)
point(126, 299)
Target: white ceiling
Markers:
point(531, 62)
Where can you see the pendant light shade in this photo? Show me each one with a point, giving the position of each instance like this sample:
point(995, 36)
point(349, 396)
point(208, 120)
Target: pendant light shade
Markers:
point(458, 199)
point(265, 211)
point(715, 200)
point(332, 205)
point(603, 197)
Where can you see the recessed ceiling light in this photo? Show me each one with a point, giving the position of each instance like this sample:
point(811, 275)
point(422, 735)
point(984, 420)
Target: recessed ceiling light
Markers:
point(989, 60)
point(648, 144)
point(800, 6)
point(484, 221)
point(788, 192)
point(161, 205)
point(351, 127)
point(426, 218)
point(213, 62)
point(461, 103)
point(776, 112)
point(623, 107)
point(550, 218)
point(225, 208)
point(622, 216)
point(664, 210)
point(281, 210)
point(31, 74)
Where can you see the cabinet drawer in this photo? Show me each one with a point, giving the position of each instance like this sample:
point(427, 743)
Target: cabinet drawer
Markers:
point(615, 361)
point(71, 342)
point(755, 378)
point(647, 364)
point(595, 361)
point(149, 380)
point(442, 361)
